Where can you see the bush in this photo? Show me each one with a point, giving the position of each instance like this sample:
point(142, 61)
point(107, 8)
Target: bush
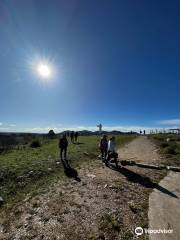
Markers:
point(35, 143)
point(159, 138)
point(172, 140)
point(171, 150)
point(164, 144)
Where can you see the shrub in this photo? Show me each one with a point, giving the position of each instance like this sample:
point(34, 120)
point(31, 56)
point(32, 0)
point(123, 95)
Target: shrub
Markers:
point(178, 148)
point(159, 138)
point(35, 143)
point(171, 150)
point(164, 144)
point(172, 140)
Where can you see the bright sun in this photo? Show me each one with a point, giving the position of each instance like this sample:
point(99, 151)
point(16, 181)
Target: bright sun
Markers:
point(44, 70)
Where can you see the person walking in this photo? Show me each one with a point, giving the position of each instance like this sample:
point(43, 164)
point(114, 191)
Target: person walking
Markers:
point(72, 136)
point(103, 145)
point(76, 136)
point(112, 151)
point(63, 145)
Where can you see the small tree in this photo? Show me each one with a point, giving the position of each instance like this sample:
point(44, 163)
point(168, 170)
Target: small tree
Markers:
point(51, 134)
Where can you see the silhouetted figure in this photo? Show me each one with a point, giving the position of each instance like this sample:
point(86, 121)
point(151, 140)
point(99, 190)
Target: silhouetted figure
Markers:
point(72, 136)
point(140, 132)
point(112, 151)
point(63, 144)
point(144, 132)
point(103, 145)
point(76, 135)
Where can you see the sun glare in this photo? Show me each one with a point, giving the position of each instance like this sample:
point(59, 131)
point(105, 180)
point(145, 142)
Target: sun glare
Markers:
point(44, 70)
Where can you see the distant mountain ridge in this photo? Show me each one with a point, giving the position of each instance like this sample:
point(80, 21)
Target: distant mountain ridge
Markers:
point(89, 133)
point(81, 133)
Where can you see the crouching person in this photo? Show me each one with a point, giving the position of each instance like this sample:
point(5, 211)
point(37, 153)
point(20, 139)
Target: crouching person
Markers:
point(63, 144)
point(103, 145)
point(112, 154)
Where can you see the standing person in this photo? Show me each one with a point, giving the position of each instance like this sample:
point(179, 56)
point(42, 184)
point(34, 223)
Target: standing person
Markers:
point(144, 132)
point(103, 145)
point(76, 136)
point(112, 151)
point(63, 144)
point(72, 136)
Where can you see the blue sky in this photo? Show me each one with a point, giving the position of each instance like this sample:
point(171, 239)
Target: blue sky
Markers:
point(114, 62)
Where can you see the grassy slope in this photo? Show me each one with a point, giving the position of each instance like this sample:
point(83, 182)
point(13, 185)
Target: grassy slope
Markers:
point(169, 149)
point(16, 177)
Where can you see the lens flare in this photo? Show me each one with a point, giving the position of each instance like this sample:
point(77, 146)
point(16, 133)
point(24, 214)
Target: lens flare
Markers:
point(44, 70)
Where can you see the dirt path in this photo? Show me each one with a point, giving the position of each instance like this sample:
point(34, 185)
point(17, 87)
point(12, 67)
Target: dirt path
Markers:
point(164, 209)
point(140, 150)
point(105, 204)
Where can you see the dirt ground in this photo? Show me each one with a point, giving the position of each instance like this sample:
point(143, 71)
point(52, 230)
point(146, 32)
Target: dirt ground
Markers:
point(105, 203)
point(164, 211)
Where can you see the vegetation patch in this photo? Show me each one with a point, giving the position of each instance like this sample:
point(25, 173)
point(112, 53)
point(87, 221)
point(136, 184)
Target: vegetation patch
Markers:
point(35, 143)
point(169, 147)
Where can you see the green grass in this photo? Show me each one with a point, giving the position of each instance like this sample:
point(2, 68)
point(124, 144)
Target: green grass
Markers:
point(16, 177)
point(169, 145)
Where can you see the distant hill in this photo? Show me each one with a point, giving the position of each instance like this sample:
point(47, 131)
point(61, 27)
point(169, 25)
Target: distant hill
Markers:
point(90, 133)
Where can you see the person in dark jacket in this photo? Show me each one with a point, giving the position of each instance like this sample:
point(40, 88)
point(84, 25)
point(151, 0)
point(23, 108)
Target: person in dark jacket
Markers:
point(63, 144)
point(72, 136)
point(103, 147)
point(76, 136)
